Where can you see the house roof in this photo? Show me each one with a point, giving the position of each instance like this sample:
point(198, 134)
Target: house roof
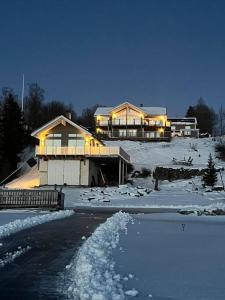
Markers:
point(51, 124)
point(146, 109)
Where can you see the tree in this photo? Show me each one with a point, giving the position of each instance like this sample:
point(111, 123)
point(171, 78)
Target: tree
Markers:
point(55, 108)
point(221, 118)
point(210, 176)
point(190, 112)
point(87, 118)
point(34, 116)
point(206, 117)
point(12, 132)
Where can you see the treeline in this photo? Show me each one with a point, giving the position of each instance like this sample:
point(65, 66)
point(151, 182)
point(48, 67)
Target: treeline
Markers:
point(208, 120)
point(15, 126)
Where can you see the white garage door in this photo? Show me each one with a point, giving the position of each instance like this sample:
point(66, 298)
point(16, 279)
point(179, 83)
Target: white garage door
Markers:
point(72, 172)
point(64, 171)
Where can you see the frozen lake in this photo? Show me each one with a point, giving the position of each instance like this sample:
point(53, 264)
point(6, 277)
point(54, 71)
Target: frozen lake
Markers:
point(171, 263)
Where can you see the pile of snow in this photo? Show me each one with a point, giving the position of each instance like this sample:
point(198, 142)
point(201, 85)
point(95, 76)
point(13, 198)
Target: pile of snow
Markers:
point(91, 274)
point(28, 180)
point(18, 225)
point(11, 256)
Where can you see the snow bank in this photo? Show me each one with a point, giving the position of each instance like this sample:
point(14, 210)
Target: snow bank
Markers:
point(91, 274)
point(18, 225)
point(11, 256)
point(28, 180)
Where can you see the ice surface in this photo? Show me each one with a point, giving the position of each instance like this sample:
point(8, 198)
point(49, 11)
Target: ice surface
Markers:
point(169, 263)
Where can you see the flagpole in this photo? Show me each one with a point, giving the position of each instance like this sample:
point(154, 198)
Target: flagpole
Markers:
point(22, 96)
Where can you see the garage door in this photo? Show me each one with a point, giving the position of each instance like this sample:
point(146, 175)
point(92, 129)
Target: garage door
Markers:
point(72, 172)
point(64, 171)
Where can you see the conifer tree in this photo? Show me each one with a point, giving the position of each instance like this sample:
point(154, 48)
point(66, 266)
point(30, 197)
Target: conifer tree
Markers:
point(12, 132)
point(210, 176)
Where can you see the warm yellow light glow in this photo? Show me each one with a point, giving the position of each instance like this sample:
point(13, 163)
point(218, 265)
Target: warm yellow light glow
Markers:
point(141, 115)
point(168, 123)
point(114, 116)
point(161, 130)
point(42, 140)
point(98, 130)
point(99, 118)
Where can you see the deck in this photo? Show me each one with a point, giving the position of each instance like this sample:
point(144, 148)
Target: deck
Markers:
point(83, 151)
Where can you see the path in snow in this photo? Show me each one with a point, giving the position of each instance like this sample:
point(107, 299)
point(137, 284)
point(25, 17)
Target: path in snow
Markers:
point(35, 274)
point(169, 263)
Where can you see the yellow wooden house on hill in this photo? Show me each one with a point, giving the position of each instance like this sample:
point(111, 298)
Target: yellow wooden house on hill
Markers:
point(127, 121)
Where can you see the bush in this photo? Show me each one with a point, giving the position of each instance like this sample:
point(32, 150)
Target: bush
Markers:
point(145, 172)
point(220, 149)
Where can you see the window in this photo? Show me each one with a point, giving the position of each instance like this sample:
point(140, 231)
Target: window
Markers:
point(53, 143)
point(187, 127)
point(132, 132)
point(53, 135)
point(173, 127)
point(122, 132)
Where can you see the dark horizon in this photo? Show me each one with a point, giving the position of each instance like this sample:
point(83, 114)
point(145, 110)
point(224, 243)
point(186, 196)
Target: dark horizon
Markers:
point(159, 53)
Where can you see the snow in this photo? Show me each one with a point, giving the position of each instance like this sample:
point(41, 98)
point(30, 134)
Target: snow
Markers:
point(171, 263)
point(7, 215)
point(11, 256)
point(149, 155)
point(20, 224)
point(28, 180)
point(91, 274)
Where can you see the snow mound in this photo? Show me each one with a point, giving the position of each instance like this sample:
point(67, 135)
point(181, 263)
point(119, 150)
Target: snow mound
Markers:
point(28, 180)
point(18, 225)
point(91, 273)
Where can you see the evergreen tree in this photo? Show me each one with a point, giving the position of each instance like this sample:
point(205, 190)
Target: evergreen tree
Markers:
point(190, 112)
point(210, 176)
point(206, 117)
point(12, 132)
point(34, 115)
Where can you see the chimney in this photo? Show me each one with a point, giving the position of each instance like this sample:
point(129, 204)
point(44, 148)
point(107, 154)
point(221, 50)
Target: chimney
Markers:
point(141, 105)
point(69, 115)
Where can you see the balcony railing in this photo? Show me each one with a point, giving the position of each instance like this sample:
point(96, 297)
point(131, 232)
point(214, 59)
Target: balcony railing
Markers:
point(85, 151)
point(139, 134)
point(131, 122)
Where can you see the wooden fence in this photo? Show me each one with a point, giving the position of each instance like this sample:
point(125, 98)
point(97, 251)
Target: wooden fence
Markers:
point(47, 199)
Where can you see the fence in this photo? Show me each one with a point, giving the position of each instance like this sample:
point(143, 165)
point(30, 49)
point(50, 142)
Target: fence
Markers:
point(48, 199)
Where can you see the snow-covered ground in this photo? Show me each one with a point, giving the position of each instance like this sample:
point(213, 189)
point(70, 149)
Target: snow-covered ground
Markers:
point(178, 194)
point(91, 275)
point(28, 222)
point(149, 155)
point(170, 256)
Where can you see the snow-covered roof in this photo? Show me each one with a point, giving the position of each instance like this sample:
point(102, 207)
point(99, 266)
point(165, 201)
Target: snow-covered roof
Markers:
point(147, 109)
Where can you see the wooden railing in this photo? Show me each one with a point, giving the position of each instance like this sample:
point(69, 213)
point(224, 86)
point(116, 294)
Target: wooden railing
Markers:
point(48, 199)
point(86, 151)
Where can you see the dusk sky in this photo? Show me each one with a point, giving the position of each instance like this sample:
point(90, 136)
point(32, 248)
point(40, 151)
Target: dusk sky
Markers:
point(159, 53)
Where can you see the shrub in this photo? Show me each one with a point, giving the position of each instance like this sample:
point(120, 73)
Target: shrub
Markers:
point(220, 149)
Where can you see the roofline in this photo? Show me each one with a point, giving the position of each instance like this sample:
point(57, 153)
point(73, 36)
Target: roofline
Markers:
point(127, 103)
point(34, 133)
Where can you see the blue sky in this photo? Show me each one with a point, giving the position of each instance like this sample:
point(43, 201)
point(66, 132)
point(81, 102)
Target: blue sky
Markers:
point(155, 52)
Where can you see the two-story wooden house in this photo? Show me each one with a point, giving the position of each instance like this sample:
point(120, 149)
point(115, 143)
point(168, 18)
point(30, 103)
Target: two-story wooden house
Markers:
point(69, 154)
point(127, 121)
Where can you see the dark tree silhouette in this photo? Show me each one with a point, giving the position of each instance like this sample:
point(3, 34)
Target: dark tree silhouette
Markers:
point(210, 176)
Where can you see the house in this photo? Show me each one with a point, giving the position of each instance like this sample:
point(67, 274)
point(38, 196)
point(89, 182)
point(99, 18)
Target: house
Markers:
point(127, 121)
point(69, 154)
point(184, 127)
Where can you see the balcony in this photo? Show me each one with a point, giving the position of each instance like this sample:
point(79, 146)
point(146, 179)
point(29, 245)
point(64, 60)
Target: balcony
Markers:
point(82, 151)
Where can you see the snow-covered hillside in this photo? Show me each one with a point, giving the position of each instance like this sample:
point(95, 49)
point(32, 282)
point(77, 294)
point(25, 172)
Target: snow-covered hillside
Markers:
point(151, 154)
